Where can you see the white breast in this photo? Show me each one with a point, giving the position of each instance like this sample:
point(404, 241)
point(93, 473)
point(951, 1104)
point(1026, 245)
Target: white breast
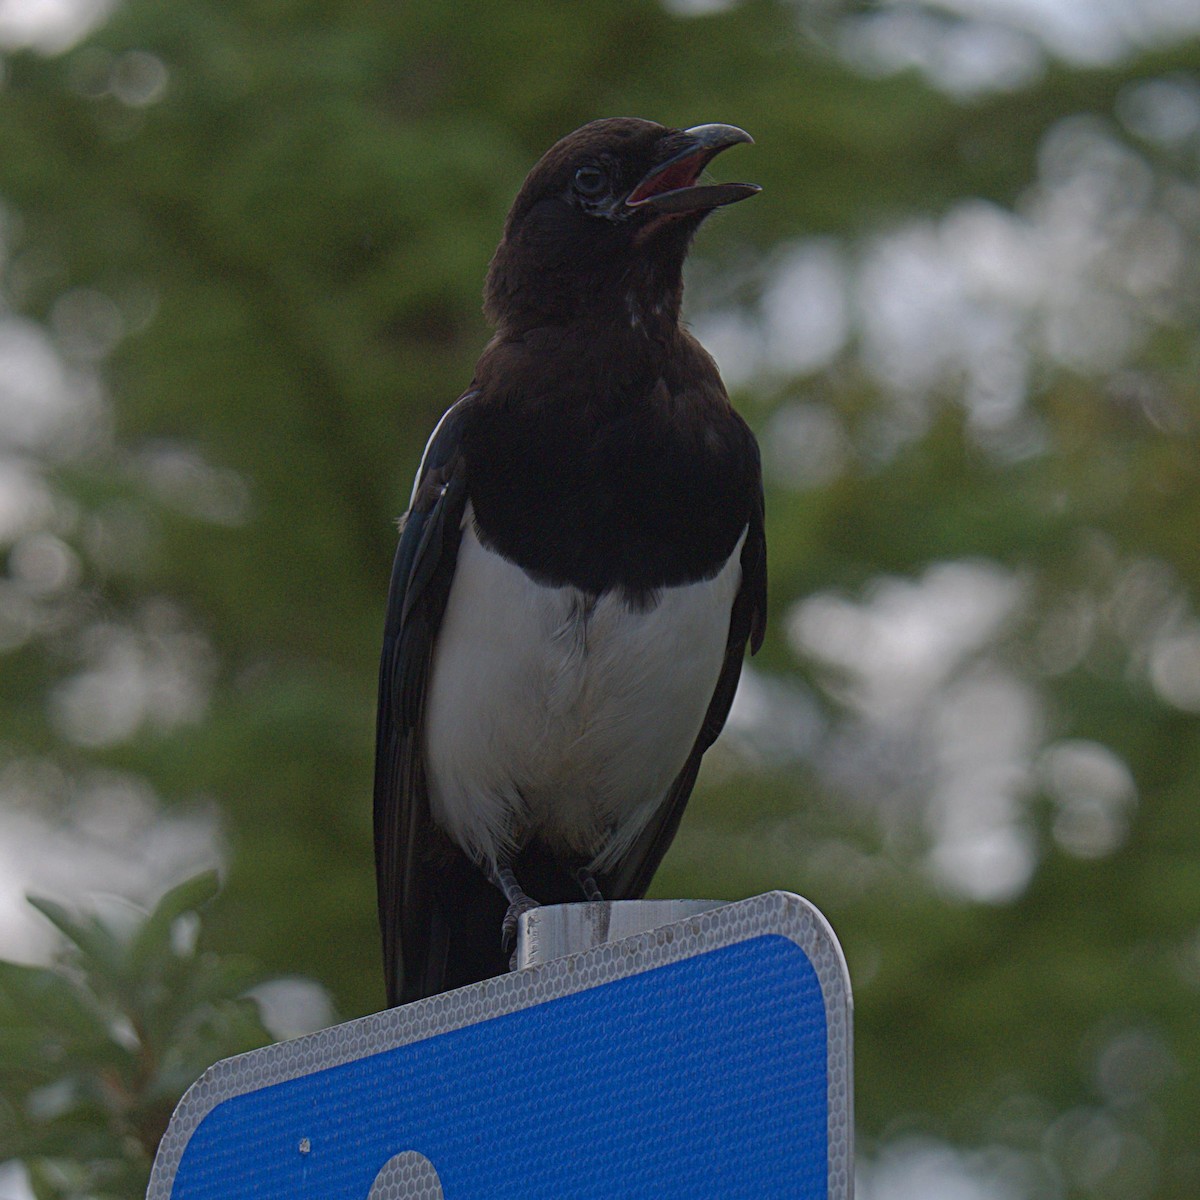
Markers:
point(561, 715)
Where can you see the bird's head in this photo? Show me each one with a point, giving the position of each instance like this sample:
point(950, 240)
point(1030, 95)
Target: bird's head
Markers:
point(605, 218)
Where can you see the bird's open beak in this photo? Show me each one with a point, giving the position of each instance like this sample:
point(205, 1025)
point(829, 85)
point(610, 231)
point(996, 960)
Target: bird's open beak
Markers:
point(671, 186)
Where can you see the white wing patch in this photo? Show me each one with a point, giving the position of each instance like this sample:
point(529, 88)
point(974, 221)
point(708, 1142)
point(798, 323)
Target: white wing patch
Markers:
point(563, 715)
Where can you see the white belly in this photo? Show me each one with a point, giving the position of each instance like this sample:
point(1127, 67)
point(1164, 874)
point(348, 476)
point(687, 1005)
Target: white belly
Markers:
point(554, 714)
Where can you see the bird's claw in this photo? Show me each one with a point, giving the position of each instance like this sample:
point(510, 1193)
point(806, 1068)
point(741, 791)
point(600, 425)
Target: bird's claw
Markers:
point(589, 887)
point(508, 930)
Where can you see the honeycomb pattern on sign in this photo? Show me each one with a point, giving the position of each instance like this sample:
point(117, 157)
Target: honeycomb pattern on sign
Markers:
point(773, 913)
point(407, 1176)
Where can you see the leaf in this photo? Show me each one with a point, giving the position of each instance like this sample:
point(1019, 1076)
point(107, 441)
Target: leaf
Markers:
point(100, 949)
point(45, 1001)
point(152, 941)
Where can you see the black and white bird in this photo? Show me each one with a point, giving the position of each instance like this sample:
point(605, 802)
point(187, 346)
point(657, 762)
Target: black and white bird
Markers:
point(580, 568)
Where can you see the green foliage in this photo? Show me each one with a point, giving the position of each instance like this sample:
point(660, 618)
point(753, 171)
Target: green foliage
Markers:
point(96, 1050)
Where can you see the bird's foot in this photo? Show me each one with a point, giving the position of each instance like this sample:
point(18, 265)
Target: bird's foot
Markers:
point(589, 886)
point(508, 930)
point(518, 902)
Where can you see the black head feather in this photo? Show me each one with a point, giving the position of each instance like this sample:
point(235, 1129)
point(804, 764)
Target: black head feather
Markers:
point(608, 211)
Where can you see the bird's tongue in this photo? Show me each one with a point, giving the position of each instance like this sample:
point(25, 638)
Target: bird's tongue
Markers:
point(679, 174)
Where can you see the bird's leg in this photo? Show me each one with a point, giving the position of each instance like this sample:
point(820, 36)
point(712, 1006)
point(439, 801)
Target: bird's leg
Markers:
point(518, 902)
point(589, 886)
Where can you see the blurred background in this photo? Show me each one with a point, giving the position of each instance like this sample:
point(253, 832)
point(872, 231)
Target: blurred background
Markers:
point(241, 254)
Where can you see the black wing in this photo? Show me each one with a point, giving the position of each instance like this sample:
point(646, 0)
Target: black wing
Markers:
point(747, 623)
point(404, 835)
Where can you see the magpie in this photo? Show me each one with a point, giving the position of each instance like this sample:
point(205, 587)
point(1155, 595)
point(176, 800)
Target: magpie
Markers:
point(580, 568)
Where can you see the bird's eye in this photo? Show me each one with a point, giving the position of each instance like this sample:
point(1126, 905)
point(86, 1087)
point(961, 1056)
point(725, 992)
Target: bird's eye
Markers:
point(590, 181)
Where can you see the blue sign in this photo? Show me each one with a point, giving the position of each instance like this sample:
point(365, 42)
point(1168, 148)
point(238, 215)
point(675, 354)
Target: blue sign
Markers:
point(709, 1058)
